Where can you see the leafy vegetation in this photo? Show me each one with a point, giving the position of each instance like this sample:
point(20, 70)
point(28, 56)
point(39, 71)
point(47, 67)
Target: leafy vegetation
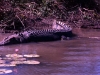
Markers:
point(22, 14)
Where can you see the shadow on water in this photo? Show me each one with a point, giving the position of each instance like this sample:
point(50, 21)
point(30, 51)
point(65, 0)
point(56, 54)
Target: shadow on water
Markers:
point(80, 56)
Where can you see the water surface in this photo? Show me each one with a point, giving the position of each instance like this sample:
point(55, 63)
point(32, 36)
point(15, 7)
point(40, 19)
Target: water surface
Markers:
point(79, 56)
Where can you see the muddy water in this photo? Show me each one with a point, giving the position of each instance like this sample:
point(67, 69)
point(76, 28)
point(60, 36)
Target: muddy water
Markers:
point(79, 56)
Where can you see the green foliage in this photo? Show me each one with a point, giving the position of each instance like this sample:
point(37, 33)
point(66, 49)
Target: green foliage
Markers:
point(52, 8)
point(21, 13)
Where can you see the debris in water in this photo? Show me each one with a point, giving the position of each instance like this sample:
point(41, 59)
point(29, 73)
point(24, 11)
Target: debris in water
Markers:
point(7, 65)
point(14, 55)
point(5, 71)
point(31, 55)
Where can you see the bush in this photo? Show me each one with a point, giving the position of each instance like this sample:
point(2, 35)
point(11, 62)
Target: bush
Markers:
point(21, 14)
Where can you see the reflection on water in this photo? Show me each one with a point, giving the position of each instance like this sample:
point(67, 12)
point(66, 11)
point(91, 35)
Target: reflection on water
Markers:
point(79, 56)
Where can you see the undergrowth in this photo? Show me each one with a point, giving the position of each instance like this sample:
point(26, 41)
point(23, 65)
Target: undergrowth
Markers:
point(23, 14)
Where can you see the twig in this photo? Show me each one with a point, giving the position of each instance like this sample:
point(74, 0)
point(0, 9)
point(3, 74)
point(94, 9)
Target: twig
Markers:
point(20, 21)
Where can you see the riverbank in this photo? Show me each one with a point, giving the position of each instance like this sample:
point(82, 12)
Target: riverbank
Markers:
point(17, 16)
point(47, 23)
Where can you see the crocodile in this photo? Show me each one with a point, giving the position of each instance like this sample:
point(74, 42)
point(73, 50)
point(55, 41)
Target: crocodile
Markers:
point(56, 33)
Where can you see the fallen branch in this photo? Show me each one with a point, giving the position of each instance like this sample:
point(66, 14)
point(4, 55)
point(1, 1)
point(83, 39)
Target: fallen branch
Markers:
point(20, 21)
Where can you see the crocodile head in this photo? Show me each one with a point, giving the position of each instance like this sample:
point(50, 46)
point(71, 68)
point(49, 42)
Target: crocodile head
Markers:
point(8, 40)
point(5, 41)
